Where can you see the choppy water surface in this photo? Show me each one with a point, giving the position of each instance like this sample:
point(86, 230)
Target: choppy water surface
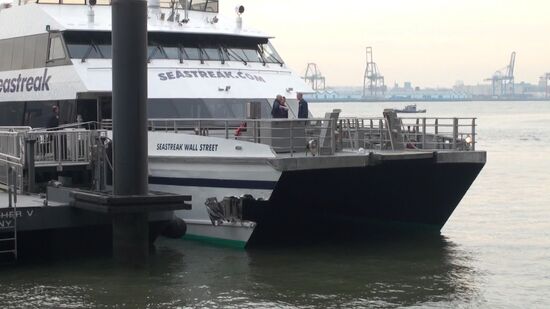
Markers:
point(494, 252)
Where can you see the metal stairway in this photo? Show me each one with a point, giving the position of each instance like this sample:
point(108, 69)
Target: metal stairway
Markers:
point(394, 125)
point(8, 233)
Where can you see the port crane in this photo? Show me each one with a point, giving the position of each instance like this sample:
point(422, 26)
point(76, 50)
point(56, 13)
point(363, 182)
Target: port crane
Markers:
point(502, 80)
point(314, 77)
point(373, 81)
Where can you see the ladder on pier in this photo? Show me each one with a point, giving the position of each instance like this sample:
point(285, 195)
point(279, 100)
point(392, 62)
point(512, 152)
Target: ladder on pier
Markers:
point(8, 233)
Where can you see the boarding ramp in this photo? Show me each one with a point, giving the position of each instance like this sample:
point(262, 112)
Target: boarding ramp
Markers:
point(26, 150)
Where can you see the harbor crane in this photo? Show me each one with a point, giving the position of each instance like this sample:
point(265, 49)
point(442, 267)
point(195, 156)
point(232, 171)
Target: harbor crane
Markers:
point(314, 77)
point(373, 81)
point(546, 79)
point(502, 80)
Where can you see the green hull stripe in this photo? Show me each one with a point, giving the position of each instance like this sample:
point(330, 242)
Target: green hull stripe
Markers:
point(217, 241)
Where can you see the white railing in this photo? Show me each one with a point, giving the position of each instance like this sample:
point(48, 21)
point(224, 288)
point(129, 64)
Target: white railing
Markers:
point(63, 147)
point(295, 135)
point(316, 136)
point(440, 133)
point(11, 156)
point(16, 164)
point(457, 134)
point(51, 148)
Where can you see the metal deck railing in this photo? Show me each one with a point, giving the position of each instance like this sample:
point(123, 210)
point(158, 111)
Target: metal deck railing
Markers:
point(326, 136)
point(317, 135)
point(458, 134)
point(64, 147)
point(11, 156)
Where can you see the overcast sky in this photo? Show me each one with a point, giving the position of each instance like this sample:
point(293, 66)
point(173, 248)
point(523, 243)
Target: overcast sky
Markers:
point(427, 42)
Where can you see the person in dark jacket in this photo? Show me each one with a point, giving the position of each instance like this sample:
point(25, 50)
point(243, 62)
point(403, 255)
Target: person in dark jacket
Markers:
point(303, 111)
point(284, 108)
point(53, 121)
point(278, 109)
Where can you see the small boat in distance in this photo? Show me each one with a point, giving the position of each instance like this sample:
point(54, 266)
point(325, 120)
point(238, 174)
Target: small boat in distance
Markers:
point(410, 109)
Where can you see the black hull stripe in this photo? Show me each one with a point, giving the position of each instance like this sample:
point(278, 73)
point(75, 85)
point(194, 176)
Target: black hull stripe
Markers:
point(213, 183)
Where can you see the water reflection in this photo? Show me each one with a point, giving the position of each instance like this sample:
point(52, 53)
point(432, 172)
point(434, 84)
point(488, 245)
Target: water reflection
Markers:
point(381, 273)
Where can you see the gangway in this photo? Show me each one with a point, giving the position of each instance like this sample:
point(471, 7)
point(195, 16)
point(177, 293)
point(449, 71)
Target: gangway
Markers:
point(27, 150)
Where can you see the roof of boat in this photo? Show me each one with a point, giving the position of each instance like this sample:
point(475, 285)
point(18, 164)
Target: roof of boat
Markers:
point(34, 17)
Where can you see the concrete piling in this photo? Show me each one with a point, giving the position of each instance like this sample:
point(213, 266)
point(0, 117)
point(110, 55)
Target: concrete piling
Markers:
point(129, 41)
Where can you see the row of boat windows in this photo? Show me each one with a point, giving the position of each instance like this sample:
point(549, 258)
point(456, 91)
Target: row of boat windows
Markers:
point(194, 5)
point(37, 113)
point(162, 47)
point(261, 53)
point(203, 108)
point(36, 51)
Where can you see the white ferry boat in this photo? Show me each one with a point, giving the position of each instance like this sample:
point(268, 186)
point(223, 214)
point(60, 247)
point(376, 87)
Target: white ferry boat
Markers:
point(212, 80)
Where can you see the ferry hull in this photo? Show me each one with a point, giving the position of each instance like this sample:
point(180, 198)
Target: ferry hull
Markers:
point(356, 196)
point(392, 197)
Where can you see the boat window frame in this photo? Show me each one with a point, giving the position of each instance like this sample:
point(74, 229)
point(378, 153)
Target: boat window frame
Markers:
point(31, 52)
point(61, 60)
point(209, 6)
point(191, 47)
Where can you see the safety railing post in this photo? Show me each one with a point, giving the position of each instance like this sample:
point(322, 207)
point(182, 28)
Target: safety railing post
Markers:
point(455, 132)
point(381, 133)
point(424, 133)
point(226, 127)
point(29, 163)
point(8, 183)
point(255, 129)
point(473, 134)
point(332, 136)
point(291, 135)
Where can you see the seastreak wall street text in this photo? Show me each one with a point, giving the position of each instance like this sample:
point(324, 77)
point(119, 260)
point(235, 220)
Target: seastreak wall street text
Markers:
point(187, 147)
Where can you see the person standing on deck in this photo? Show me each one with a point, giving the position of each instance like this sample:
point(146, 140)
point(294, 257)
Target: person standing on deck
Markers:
point(303, 111)
point(53, 121)
point(278, 109)
point(285, 108)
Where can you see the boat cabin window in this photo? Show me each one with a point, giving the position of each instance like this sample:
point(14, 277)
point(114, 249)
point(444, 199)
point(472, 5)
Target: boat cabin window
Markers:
point(203, 108)
point(36, 114)
point(204, 5)
point(17, 54)
point(56, 49)
point(210, 6)
point(26, 52)
point(162, 45)
point(191, 53)
point(12, 113)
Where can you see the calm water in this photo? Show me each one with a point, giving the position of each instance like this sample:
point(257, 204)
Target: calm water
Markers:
point(493, 253)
